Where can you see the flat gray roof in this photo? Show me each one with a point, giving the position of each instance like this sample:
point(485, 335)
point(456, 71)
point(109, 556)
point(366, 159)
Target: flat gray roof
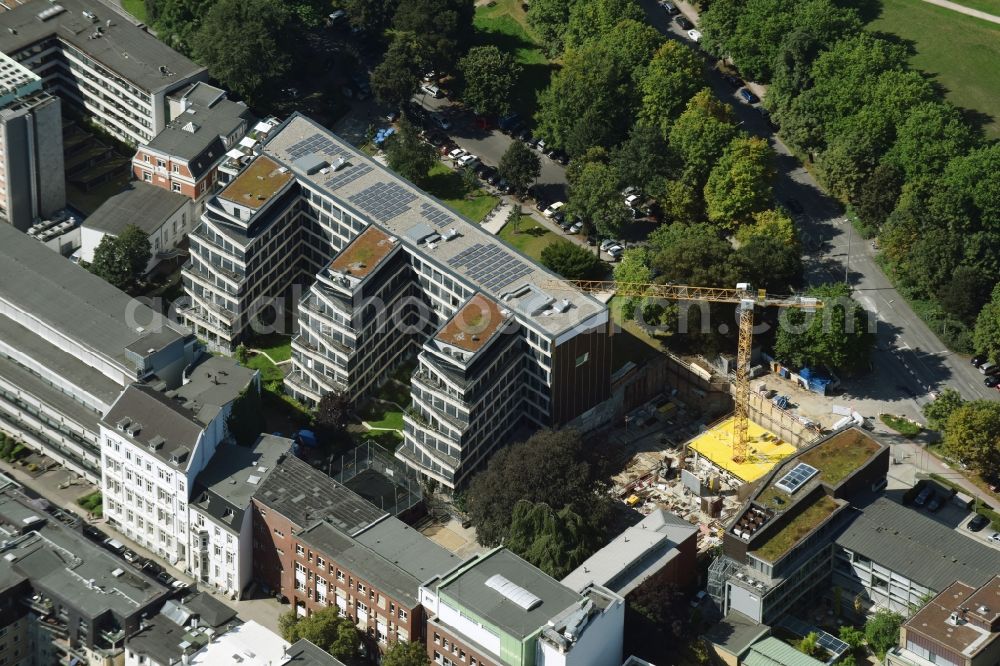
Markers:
point(124, 48)
point(212, 384)
point(73, 301)
point(304, 653)
point(634, 555)
point(144, 205)
point(467, 587)
point(920, 548)
point(225, 486)
point(305, 496)
point(384, 198)
point(160, 418)
point(62, 563)
point(391, 555)
point(736, 632)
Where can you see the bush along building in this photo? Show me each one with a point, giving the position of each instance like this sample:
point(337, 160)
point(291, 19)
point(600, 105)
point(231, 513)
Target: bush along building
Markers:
point(392, 273)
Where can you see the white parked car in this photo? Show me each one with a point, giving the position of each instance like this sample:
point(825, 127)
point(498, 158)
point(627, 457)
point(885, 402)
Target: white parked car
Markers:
point(456, 153)
point(631, 200)
point(608, 243)
point(469, 160)
point(995, 537)
point(694, 35)
point(576, 228)
point(431, 90)
point(615, 251)
point(553, 209)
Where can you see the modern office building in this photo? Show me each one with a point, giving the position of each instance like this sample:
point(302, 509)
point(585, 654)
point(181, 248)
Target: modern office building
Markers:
point(166, 217)
point(31, 149)
point(896, 557)
point(155, 444)
point(661, 545)
point(185, 155)
point(221, 526)
point(69, 344)
point(81, 600)
point(97, 61)
point(958, 627)
point(495, 609)
point(779, 546)
point(394, 273)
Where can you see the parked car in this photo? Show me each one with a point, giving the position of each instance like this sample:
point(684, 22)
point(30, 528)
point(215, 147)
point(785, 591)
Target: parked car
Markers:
point(566, 224)
point(683, 23)
point(747, 96)
point(923, 496)
point(507, 123)
point(559, 217)
point(540, 145)
point(337, 17)
point(978, 361)
point(553, 209)
point(934, 503)
point(130, 556)
point(178, 585)
point(456, 153)
point(576, 228)
point(442, 122)
point(669, 7)
point(995, 537)
point(164, 578)
point(93, 533)
point(430, 77)
point(503, 186)
point(431, 89)
point(698, 598)
point(615, 252)
point(560, 157)
point(978, 522)
point(524, 135)
point(989, 368)
point(992, 381)
point(468, 160)
point(592, 240)
point(114, 545)
point(605, 244)
point(632, 200)
point(694, 35)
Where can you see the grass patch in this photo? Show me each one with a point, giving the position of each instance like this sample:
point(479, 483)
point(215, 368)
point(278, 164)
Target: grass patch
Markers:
point(276, 345)
point(988, 6)
point(530, 237)
point(383, 415)
point(93, 503)
point(903, 426)
point(505, 25)
point(960, 50)
point(630, 342)
point(136, 8)
point(837, 457)
point(270, 374)
point(447, 186)
point(783, 540)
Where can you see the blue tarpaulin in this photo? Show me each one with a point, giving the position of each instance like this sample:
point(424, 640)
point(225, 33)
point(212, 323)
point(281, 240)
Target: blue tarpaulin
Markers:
point(815, 382)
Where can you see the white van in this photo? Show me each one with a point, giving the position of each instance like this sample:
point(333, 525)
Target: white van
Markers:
point(553, 209)
point(989, 368)
point(431, 90)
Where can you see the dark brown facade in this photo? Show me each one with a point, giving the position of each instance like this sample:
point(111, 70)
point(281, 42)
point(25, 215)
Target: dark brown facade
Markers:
point(581, 373)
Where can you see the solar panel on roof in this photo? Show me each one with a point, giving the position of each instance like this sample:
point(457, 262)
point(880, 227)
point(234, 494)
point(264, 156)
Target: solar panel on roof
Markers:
point(490, 265)
point(383, 201)
point(794, 479)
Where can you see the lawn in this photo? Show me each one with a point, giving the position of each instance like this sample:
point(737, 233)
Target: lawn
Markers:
point(960, 50)
point(270, 374)
point(840, 455)
point(505, 26)
point(136, 8)
point(903, 426)
point(988, 6)
point(276, 345)
point(783, 540)
point(530, 237)
point(447, 186)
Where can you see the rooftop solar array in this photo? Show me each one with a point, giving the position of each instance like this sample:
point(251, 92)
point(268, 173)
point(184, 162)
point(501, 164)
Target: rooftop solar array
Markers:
point(383, 201)
point(434, 215)
point(833, 645)
point(796, 478)
point(348, 175)
point(490, 266)
point(317, 143)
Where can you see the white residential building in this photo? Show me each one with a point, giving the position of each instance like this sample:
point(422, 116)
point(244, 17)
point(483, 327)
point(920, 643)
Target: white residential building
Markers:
point(153, 447)
point(221, 521)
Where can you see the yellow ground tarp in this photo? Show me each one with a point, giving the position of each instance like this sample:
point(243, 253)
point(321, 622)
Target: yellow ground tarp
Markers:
point(766, 450)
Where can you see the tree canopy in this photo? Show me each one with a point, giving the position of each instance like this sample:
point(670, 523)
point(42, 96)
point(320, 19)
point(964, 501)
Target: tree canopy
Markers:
point(326, 629)
point(671, 79)
point(739, 184)
point(595, 198)
point(403, 653)
point(938, 411)
point(488, 79)
point(836, 336)
point(408, 155)
point(396, 77)
point(121, 260)
point(442, 28)
point(556, 542)
point(572, 261)
point(971, 435)
point(882, 631)
point(519, 166)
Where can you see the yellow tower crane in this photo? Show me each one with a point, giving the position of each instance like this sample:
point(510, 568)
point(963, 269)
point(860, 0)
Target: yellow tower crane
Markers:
point(743, 296)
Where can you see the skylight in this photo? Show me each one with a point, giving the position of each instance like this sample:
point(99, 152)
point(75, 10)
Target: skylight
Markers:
point(796, 478)
point(513, 592)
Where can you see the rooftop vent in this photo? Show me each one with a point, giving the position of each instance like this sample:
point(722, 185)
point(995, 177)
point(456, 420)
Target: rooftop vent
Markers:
point(54, 10)
point(513, 592)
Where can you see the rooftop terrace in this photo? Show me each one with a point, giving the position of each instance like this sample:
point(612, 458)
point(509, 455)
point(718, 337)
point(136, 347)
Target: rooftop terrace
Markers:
point(364, 253)
point(473, 326)
point(258, 183)
point(797, 528)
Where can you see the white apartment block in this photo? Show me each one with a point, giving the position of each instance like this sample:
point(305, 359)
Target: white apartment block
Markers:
point(69, 344)
point(154, 445)
point(95, 59)
point(221, 521)
point(294, 216)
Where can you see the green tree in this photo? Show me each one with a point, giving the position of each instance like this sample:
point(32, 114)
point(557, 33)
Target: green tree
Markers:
point(986, 336)
point(556, 543)
point(701, 134)
point(121, 260)
point(408, 155)
point(692, 254)
point(395, 78)
point(406, 654)
point(241, 354)
point(326, 629)
point(371, 16)
point(332, 414)
point(768, 262)
point(177, 22)
point(643, 159)
point(633, 268)
point(941, 408)
point(836, 336)
point(739, 185)
point(591, 20)
point(519, 166)
point(852, 636)
point(571, 261)
point(246, 420)
point(809, 644)
point(681, 200)
point(965, 293)
point(549, 467)
point(489, 76)
point(442, 28)
point(596, 199)
point(671, 79)
point(882, 631)
point(971, 435)
point(246, 44)
point(657, 615)
point(932, 134)
point(769, 224)
point(875, 197)
point(549, 19)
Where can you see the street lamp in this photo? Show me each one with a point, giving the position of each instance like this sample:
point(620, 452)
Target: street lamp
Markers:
point(850, 234)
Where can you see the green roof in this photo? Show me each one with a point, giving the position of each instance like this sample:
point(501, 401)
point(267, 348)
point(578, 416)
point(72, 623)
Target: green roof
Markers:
point(774, 652)
point(840, 455)
point(797, 528)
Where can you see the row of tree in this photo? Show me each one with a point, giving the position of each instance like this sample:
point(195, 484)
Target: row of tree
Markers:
point(970, 430)
point(884, 141)
point(340, 637)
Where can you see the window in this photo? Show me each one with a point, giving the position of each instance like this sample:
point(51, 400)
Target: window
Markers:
point(582, 358)
point(147, 177)
point(175, 168)
point(319, 561)
point(402, 614)
point(160, 164)
point(176, 187)
point(299, 550)
point(361, 588)
point(340, 575)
